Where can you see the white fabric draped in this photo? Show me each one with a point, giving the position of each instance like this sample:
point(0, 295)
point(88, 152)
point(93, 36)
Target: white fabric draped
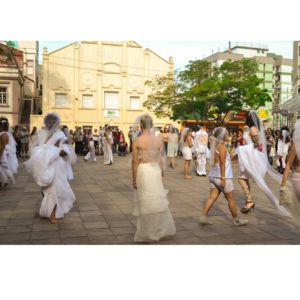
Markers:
point(254, 164)
point(51, 172)
point(9, 162)
point(151, 205)
point(108, 157)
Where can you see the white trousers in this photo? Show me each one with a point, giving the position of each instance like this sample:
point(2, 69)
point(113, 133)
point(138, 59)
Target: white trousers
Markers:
point(91, 151)
point(201, 163)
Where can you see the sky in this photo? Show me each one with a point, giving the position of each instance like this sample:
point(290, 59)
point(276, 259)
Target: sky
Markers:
point(183, 51)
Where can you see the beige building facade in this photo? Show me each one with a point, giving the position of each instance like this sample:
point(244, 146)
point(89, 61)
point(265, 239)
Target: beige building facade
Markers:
point(98, 82)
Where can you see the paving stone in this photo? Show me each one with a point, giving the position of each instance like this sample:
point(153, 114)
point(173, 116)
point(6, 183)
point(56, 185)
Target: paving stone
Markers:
point(45, 242)
point(89, 225)
point(104, 240)
point(98, 232)
point(36, 235)
point(12, 237)
point(72, 233)
point(75, 241)
point(16, 229)
point(45, 227)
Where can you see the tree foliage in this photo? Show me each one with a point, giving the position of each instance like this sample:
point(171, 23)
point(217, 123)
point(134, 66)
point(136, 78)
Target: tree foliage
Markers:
point(7, 55)
point(205, 92)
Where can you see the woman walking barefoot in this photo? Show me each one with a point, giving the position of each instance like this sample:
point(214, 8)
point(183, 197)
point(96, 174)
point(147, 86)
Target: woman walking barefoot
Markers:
point(186, 144)
point(220, 178)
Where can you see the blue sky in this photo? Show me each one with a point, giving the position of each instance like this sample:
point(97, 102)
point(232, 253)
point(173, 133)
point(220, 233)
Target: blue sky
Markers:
point(184, 51)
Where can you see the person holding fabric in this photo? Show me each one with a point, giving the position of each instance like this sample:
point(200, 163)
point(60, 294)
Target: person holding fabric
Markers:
point(220, 178)
point(107, 146)
point(172, 146)
point(8, 159)
point(283, 145)
point(254, 164)
point(200, 141)
point(91, 146)
point(50, 162)
point(185, 148)
point(150, 198)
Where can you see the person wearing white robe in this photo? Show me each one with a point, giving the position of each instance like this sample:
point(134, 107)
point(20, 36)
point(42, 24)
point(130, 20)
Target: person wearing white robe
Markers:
point(151, 204)
point(200, 141)
point(8, 158)
point(107, 148)
point(91, 147)
point(50, 166)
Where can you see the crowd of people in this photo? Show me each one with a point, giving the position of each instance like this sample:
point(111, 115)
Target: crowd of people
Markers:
point(55, 148)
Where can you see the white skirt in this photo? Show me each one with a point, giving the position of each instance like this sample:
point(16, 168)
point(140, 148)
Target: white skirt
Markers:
point(151, 205)
point(187, 153)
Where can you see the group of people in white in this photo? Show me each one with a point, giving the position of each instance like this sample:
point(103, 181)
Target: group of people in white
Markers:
point(52, 154)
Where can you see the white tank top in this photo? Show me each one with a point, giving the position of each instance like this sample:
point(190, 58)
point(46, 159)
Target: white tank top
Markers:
point(216, 170)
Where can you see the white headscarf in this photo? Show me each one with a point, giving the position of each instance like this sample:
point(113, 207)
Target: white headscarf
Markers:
point(182, 137)
point(219, 135)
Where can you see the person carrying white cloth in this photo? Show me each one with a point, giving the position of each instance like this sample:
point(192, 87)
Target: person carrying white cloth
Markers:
point(151, 204)
point(50, 166)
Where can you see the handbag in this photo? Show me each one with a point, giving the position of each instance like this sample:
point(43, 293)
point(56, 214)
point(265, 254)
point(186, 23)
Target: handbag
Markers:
point(273, 152)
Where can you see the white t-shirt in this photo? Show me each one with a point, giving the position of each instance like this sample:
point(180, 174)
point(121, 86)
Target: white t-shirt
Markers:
point(95, 138)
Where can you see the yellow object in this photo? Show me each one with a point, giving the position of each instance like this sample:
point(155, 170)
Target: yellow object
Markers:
point(283, 184)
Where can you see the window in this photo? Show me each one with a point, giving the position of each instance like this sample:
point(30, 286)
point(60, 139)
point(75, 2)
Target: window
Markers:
point(111, 100)
point(3, 96)
point(135, 103)
point(84, 127)
point(60, 100)
point(29, 63)
point(299, 50)
point(87, 101)
point(41, 87)
point(257, 51)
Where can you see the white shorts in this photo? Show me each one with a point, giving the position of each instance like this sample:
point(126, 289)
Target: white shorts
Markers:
point(187, 153)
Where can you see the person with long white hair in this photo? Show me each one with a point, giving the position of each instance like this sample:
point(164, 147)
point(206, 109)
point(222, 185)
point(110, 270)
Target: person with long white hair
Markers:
point(185, 147)
point(200, 142)
point(283, 148)
point(107, 145)
point(220, 178)
point(172, 145)
point(151, 204)
point(51, 156)
point(254, 164)
point(8, 159)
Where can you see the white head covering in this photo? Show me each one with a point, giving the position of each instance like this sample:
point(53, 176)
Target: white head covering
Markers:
point(219, 135)
point(182, 137)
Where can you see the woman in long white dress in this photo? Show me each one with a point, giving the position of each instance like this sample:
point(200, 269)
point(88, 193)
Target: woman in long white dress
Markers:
point(50, 166)
point(91, 147)
point(107, 148)
point(8, 158)
point(220, 178)
point(151, 204)
point(254, 164)
point(172, 146)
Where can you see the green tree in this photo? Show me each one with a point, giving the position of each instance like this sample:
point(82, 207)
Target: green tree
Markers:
point(207, 93)
point(180, 95)
point(238, 88)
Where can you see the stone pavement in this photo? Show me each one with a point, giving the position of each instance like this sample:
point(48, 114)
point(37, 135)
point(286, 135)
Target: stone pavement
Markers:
point(102, 213)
